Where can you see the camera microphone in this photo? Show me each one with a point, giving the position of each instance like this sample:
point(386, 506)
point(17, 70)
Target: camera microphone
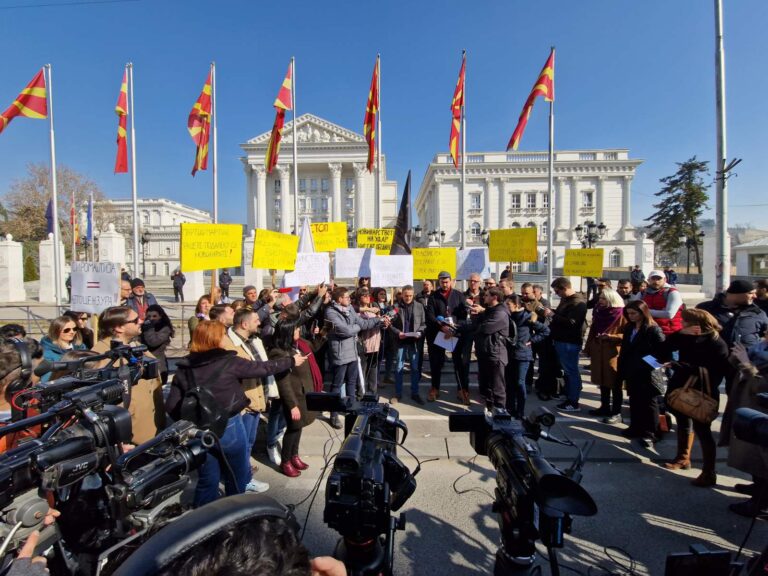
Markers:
point(44, 368)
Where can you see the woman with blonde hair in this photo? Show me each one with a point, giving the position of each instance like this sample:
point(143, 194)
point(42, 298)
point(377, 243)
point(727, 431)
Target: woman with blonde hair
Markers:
point(59, 340)
point(603, 347)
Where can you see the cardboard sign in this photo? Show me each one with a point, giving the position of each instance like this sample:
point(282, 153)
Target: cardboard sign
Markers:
point(429, 262)
point(353, 262)
point(587, 262)
point(209, 246)
point(311, 268)
point(513, 245)
point(95, 286)
point(378, 238)
point(391, 271)
point(472, 261)
point(329, 236)
point(274, 250)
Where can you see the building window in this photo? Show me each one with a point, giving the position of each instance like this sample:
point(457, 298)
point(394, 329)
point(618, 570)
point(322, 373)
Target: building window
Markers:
point(533, 267)
point(167, 250)
point(324, 204)
point(545, 200)
point(167, 268)
point(515, 201)
point(758, 264)
point(313, 185)
point(146, 218)
point(530, 200)
point(515, 225)
point(350, 203)
point(474, 201)
point(276, 224)
point(302, 184)
point(154, 269)
point(324, 184)
point(349, 185)
point(531, 224)
point(302, 204)
point(475, 232)
point(277, 186)
point(615, 258)
point(277, 204)
point(588, 199)
point(543, 229)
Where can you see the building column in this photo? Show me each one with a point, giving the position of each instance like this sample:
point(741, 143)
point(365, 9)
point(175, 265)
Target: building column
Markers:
point(360, 219)
point(250, 196)
point(261, 197)
point(560, 203)
point(285, 197)
point(487, 204)
point(336, 210)
point(600, 200)
point(436, 205)
point(574, 206)
point(503, 194)
point(626, 203)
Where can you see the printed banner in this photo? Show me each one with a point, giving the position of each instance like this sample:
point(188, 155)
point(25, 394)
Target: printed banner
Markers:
point(391, 271)
point(274, 250)
point(586, 262)
point(472, 261)
point(378, 238)
point(311, 269)
point(513, 245)
point(329, 236)
point(429, 262)
point(353, 262)
point(95, 286)
point(209, 246)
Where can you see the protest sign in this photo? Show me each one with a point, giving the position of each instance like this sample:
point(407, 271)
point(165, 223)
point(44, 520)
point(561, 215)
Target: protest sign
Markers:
point(390, 271)
point(378, 238)
point(209, 246)
point(328, 236)
point(472, 261)
point(353, 262)
point(274, 250)
point(311, 268)
point(513, 245)
point(429, 262)
point(95, 286)
point(587, 262)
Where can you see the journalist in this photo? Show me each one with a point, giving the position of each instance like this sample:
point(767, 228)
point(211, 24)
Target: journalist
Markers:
point(491, 326)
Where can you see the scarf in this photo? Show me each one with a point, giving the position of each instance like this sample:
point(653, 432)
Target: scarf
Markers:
point(603, 318)
point(317, 376)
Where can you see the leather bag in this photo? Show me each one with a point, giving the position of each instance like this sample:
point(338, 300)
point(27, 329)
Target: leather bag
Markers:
point(694, 399)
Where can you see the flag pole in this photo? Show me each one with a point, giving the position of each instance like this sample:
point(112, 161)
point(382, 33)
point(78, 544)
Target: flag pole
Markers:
point(73, 224)
point(54, 192)
point(550, 232)
point(214, 149)
point(134, 193)
point(462, 234)
point(89, 230)
point(295, 151)
point(377, 203)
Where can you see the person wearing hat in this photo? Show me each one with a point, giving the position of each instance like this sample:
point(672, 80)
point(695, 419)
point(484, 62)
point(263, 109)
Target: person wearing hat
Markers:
point(664, 302)
point(140, 299)
point(761, 289)
point(743, 321)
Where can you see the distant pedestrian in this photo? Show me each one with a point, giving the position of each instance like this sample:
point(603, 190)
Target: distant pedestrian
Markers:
point(178, 280)
point(636, 275)
point(224, 282)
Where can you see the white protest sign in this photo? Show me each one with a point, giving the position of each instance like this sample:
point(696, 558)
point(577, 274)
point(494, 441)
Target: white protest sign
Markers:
point(472, 261)
point(95, 286)
point(311, 268)
point(390, 271)
point(353, 262)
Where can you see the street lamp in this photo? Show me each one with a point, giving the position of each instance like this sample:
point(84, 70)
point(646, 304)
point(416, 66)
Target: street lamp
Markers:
point(417, 233)
point(437, 236)
point(144, 238)
point(590, 233)
point(351, 236)
point(485, 237)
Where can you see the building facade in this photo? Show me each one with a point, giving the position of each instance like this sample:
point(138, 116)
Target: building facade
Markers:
point(510, 190)
point(333, 182)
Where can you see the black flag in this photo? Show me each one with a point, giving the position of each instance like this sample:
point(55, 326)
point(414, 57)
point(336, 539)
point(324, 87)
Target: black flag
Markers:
point(401, 243)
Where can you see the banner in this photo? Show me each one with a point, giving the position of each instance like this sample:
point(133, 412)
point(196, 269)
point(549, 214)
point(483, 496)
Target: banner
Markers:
point(311, 268)
point(586, 262)
point(429, 262)
point(391, 271)
point(378, 238)
point(353, 262)
point(472, 261)
point(274, 250)
point(513, 245)
point(95, 286)
point(329, 236)
point(209, 246)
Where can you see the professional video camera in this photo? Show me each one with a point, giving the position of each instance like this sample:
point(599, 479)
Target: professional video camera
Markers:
point(368, 482)
point(534, 500)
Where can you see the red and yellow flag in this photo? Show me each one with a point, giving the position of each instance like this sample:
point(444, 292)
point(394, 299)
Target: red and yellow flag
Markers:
point(199, 126)
point(32, 102)
point(283, 102)
point(456, 105)
point(371, 114)
point(121, 109)
point(74, 223)
point(545, 86)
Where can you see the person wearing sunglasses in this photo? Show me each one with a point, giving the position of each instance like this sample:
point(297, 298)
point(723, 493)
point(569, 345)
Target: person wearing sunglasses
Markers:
point(60, 340)
point(83, 334)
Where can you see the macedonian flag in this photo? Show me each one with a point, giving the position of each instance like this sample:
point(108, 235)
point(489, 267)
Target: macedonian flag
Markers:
point(121, 109)
point(283, 102)
point(31, 103)
point(545, 86)
point(199, 126)
point(371, 114)
point(456, 110)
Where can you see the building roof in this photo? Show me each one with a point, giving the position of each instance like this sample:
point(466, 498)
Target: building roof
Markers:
point(759, 243)
point(310, 129)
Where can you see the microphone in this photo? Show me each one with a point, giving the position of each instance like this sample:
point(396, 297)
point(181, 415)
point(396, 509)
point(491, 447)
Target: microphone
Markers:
point(43, 368)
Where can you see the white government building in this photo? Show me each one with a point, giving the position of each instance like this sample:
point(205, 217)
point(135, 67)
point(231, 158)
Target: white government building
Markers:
point(510, 190)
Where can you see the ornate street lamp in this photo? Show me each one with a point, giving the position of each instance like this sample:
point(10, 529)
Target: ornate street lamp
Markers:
point(485, 236)
point(590, 233)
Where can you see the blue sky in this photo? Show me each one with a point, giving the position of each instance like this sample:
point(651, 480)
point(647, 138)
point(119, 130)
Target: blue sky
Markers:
point(629, 74)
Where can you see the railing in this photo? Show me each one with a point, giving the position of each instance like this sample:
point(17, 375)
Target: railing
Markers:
point(610, 155)
point(587, 156)
point(475, 158)
point(527, 157)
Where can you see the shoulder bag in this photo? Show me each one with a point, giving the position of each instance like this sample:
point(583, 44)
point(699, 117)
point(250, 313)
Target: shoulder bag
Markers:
point(695, 401)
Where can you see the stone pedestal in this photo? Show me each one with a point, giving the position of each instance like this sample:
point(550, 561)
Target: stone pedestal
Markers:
point(195, 286)
point(47, 273)
point(112, 246)
point(645, 253)
point(251, 276)
point(709, 263)
point(11, 271)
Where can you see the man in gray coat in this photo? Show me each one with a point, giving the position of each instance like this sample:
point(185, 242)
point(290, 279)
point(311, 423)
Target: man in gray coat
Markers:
point(408, 325)
point(342, 343)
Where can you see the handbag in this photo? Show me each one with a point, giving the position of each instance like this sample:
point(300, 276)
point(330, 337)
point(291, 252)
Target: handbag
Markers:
point(201, 408)
point(696, 403)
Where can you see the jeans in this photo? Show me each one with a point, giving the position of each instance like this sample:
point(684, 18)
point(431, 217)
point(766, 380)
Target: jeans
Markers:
point(408, 352)
point(568, 354)
point(516, 374)
point(236, 450)
point(276, 424)
point(251, 425)
point(464, 350)
point(345, 373)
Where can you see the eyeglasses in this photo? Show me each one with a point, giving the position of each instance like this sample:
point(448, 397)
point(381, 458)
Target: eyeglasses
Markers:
point(134, 321)
point(475, 281)
point(67, 330)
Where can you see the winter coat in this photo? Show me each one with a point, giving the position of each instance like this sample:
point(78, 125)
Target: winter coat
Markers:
point(637, 276)
point(567, 323)
point(294, 385)
point(253, 387)
point(528, 333)
point(193, 322)
point(745, 325)
point(439, 305)
point(225, 279)
point(632, 369)
point(220, 371)
point(53, 352)
point(417, 322)
point(133, 304)
point(342, 340)
point(157, 340)
point(179, 280)
point(604, 353)
point(491, 328)
point(370, 339)
point(694, 352)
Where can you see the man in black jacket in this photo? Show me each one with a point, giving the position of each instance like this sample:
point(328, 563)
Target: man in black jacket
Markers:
point(491, 324)
point(742, 320)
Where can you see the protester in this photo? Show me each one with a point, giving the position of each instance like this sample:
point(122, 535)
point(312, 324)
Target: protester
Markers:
point(491, 328)
point(388, 348)
point(638, 289)
point(742, 321)
point(157, 333)
point(407, 326)
point(125, 292)
point(83, 334)
point(223, 313)
point(472, 295)
point(422, 298)
point(600, 285)
point(370, 340)
point(507, 286)
point(543, 350)
point(636, 275)
point(664, 302)
point(671, 276)
point(761, 294)
point(202, 309)
point(225, 280)
point(624, 288)
point(178, 280)
point(60, 339)
point(140, 299)
point(538, 292)
point(506, 273)
point(489, 282)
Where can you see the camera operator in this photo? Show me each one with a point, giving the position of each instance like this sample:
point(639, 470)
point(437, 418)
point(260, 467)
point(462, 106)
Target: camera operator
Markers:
point(122, 324)
point(491, 324)
point(14, 376)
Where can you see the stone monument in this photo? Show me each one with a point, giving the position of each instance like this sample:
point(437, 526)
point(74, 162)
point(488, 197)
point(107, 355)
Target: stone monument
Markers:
point(47, 274)
point(11, 271)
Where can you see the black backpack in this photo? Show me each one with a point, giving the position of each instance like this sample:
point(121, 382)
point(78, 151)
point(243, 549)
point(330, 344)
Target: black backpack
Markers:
point(201, 408)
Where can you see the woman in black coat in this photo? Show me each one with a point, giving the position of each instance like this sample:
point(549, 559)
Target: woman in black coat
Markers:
point(642, 337)
point(157, 333)
point(293, 386)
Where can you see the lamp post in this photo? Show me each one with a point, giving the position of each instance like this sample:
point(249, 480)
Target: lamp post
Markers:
point(589, 233)
point(417, 231)
point(485, 237)
point(144, 238)
point(352, 237)
point(437, 236)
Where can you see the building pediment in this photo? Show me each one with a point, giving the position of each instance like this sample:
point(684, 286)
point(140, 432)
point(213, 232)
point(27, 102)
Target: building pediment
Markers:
point(311, 129)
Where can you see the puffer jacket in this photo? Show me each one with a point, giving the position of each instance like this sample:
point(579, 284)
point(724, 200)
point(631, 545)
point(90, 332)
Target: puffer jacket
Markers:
point(528, 332)
point(747, 325)
point(491, 332)
point(342, 340)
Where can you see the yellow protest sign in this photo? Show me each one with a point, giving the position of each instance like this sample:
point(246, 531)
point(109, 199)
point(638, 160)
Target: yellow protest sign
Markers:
point(513, 245)
point(209, 246)
point(378, 238)
point(586, 262)
point(328, 236)
point(429, 262)
point(274, 250)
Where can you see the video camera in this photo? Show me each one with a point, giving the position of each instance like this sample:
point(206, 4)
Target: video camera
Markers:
point(368, 482)
point(534, 500)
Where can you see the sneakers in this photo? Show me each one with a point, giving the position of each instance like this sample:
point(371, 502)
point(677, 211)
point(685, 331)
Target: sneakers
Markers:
point(612, 419)
point(274, 454)
point(256, 486)
point(433, 394)
point(567, 406)
point(416, 398)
